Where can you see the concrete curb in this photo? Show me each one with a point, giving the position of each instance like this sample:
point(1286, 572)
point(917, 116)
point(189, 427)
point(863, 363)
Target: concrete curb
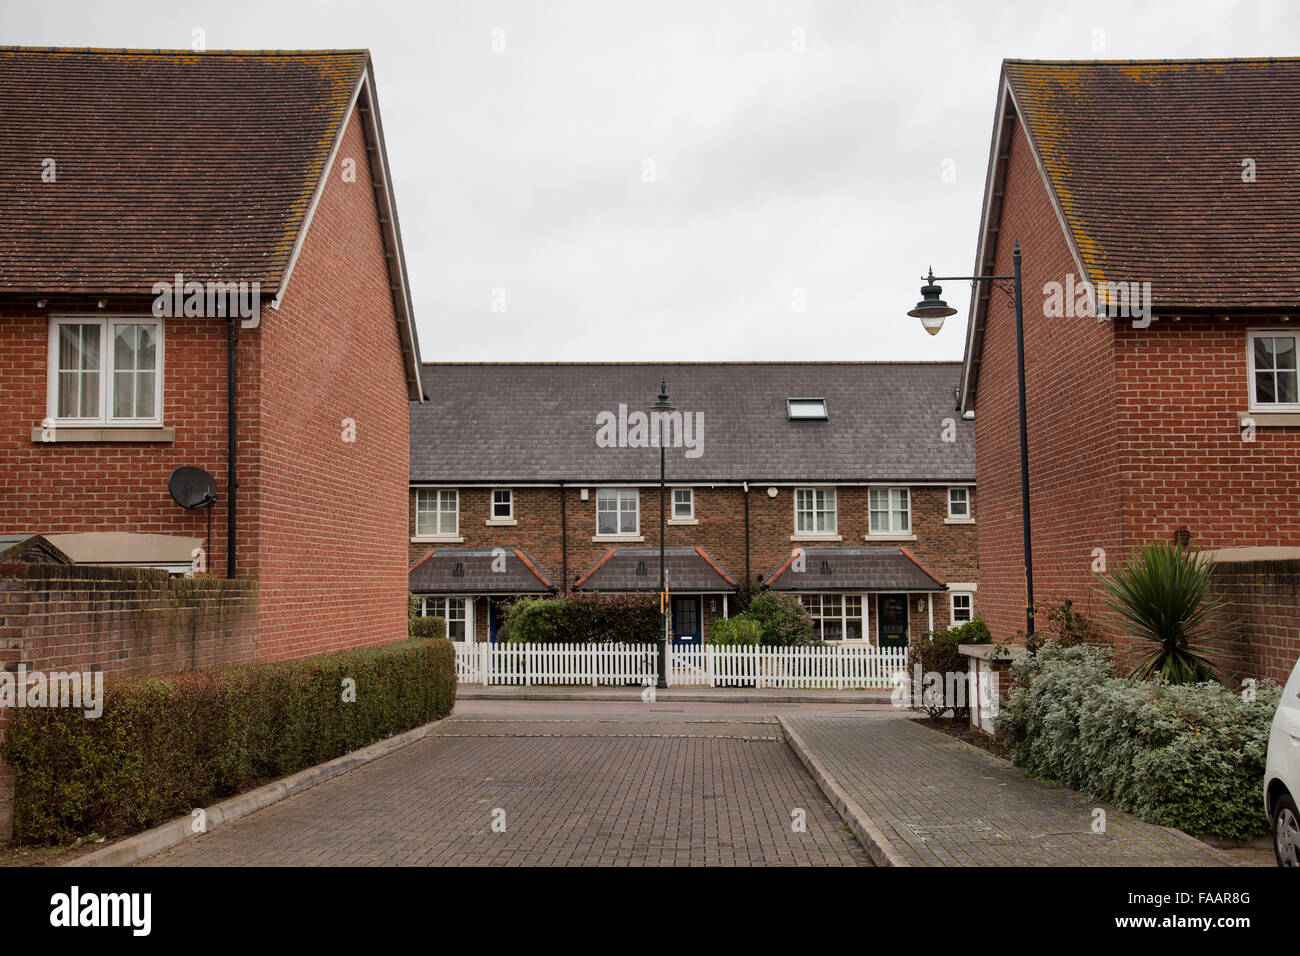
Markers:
point(873, 840)
point(725, 696)
point(151, 842)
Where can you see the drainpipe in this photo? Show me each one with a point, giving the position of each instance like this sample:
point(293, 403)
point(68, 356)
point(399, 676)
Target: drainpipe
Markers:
point(564, 544)
point(231, 484)
point(745, 485)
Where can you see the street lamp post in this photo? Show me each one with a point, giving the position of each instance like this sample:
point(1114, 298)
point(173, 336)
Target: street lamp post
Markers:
point(663, 406)
point(932, 310)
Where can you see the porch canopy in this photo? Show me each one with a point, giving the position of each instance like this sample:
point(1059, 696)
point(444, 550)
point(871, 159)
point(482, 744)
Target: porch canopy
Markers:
point(478, 571)
point(690, 570)
point(892, 569)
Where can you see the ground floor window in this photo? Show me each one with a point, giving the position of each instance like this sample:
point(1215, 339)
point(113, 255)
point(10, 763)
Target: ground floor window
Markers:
point(963, 607)
point(837, 617)
point(451, 610)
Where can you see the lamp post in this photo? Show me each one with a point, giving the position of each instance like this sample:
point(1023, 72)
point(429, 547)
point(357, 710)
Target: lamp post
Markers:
point(932, 310)
point(662, 406)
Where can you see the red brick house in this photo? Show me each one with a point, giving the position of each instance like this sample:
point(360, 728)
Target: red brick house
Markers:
point(849, 484)
point(194, 240)
point(1168, 191)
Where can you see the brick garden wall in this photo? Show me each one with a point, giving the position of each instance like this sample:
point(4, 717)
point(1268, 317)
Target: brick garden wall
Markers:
point(118, 621)
point(1261, 624)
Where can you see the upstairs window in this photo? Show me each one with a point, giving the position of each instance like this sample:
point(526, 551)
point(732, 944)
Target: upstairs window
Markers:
point(959, 504)
point(683, 504)
point(891, 510)
point(814, 511)
point(617, 511)
point(962, 609)
point(806, 409)
point(106, 371)
point(503, 504)
point(437, 512)
point(1273, 371)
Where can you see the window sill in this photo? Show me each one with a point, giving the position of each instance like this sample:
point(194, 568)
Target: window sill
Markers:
point(618, 537)
point(437, 539)
point(889, 537)
point(683, 520)
point(104, 433)
point(816, 537)
point(1270, 419)
point(958, 520)
point(501, 522)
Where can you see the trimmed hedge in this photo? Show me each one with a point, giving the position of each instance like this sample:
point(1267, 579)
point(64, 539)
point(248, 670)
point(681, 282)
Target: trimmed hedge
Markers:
point(1189, 756)
point(584, 619)
point(783, 620)
point(168, 744)
point(423, 628)
point(735, 631)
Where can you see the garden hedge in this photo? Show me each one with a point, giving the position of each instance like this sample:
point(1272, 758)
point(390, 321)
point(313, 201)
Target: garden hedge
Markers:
point(582, 619)
point(1188, 756)
point(166, 745)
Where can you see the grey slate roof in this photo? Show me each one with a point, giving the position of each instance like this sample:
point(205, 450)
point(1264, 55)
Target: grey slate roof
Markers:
point(436, 573)
point(637, 569)
point(875, 568)
point(538, 422)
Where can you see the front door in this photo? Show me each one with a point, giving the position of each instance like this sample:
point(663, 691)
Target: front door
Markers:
point(494, 617)
point(891, 618)
point(686, 619)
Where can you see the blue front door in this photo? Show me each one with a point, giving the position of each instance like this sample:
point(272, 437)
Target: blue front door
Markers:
point(686, 619)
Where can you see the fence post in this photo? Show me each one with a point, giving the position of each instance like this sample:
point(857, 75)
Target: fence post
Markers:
point(485, 663)
point(708, 664)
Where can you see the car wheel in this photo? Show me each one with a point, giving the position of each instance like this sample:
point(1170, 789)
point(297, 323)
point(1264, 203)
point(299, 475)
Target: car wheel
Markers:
point(1286, 832)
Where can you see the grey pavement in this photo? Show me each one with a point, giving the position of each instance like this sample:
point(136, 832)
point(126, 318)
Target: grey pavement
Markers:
point(637, 789)
point(938, 801)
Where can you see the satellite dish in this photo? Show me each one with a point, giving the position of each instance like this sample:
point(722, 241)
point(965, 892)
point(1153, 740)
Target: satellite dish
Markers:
point(192, 487)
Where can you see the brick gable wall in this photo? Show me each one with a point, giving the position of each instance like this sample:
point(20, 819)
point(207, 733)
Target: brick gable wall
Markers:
point(331, 513)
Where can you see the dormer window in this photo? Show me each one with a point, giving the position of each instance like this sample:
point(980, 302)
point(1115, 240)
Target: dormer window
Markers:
point(806, 410)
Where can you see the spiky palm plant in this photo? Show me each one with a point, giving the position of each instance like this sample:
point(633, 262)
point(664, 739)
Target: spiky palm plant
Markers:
point(1160, 596)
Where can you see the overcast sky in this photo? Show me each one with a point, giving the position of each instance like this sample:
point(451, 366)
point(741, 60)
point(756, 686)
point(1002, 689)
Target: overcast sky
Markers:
point(674, 180)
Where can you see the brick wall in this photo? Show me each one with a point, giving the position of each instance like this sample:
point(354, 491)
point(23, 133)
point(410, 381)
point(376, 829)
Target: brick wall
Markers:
point(328, 523)
point(1074, 439)
point(1261, 623)
point(119, 621)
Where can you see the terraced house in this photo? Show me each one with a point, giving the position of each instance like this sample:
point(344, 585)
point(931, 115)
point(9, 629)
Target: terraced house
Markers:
point(848, 484)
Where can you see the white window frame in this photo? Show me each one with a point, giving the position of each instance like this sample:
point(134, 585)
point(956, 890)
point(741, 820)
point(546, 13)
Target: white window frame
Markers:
point(437, 511)
point(465, 618)
point(107, 326)
point(814, 511)
point(619, 511)
point(905, 494)
point(510, 504)
point(1268, 333)
point(690, 500)
point(864, 633)
point(969, 516)
point(952, 606)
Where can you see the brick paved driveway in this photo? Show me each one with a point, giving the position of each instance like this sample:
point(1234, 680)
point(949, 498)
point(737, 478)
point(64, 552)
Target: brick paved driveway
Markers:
point(659, 789)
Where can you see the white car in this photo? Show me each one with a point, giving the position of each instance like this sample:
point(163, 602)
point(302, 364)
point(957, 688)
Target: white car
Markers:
point(1282, 774)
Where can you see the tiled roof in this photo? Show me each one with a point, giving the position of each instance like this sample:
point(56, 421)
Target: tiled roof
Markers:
point(478, 571)
point(1146, 162)
point(876, 568)
point(538, 422)
point(637, 569)
point(202, 163)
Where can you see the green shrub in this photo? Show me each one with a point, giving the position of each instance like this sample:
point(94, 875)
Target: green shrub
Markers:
point(1063, 626)
point(938, 654)
point(783, 620)
point(165, 745)
point(735, 631)
point(1188, 756)
point(423, 628)
point(1160, 595)
point(584, 618)
point(974, 631)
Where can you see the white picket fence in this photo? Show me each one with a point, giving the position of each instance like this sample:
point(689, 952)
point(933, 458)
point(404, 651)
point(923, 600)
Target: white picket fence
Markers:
point(828, 667)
